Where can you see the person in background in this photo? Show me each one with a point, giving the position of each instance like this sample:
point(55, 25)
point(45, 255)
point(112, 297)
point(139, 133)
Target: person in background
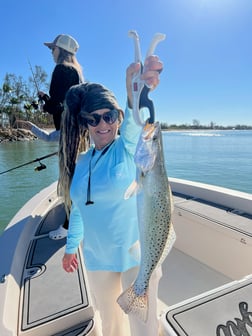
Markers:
point(92, 184)
point(67, 72)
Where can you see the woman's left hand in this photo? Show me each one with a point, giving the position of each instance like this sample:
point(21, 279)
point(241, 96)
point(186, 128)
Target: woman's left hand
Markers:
point(70, 262)
point(152, 68)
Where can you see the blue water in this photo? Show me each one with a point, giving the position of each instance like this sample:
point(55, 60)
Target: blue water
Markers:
point(19, 185)
point(222, 158)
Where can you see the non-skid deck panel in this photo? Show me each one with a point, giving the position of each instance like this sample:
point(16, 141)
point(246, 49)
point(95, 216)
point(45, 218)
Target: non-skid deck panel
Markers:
point(221, 215)
point(50, 292)
point(222, 312)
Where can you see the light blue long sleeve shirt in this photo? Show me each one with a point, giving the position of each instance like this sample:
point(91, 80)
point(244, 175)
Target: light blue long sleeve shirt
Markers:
point(109, 226)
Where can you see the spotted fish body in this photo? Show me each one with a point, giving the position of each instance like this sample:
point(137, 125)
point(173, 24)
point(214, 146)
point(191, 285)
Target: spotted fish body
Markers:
point(154, 205)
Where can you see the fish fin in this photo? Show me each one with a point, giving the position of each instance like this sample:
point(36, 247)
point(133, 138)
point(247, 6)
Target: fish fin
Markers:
point(134, 304)
point(169, 244)
point(132, 190)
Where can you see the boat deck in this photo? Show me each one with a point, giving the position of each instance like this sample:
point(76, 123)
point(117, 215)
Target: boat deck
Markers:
point(213, 248)
point(50, 293)
point(47, 295)
point(185, 277)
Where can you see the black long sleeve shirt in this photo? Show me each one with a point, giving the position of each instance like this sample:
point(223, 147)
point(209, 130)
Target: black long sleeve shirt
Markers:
point(63, 77)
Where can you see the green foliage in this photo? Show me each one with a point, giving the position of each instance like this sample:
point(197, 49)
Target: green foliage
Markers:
point(198, 126)
point(18, 97)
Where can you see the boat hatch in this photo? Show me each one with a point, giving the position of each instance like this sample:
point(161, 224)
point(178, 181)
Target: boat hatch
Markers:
point(226, 310)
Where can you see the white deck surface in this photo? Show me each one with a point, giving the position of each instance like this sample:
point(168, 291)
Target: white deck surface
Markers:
point(185, 277)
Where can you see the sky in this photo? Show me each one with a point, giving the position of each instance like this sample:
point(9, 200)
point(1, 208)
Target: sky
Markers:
point(207, 53)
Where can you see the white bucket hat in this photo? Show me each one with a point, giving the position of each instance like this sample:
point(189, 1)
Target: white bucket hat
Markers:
point(65, 42)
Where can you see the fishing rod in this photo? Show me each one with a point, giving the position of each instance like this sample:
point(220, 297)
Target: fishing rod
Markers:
point(41, 167)
point(33, 76)
point(40, 100)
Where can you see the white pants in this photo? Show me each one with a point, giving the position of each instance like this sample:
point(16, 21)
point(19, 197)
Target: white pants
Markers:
point(106, 287)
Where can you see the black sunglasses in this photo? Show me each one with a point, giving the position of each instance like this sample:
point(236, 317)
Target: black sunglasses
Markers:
point(109, 117)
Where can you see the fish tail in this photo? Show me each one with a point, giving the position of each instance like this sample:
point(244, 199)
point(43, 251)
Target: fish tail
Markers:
point(132, 303)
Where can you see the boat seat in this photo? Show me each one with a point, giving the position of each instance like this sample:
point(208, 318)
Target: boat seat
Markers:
point(215, 235)
point(231, 218)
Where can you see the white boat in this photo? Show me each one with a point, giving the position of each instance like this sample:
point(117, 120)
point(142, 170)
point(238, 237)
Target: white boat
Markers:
point(206, 288)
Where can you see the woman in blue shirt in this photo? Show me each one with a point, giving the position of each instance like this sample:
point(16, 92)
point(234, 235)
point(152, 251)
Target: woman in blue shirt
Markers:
point(94, 188)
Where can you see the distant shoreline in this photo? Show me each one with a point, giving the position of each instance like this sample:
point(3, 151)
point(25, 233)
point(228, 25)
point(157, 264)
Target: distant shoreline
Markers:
point(13, 135)
point(203, 129)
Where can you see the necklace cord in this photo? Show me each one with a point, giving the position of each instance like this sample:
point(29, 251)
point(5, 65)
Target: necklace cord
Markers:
point(89, 202)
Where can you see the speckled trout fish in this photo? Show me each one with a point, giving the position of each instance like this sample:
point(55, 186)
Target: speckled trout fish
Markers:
point(154, 205)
